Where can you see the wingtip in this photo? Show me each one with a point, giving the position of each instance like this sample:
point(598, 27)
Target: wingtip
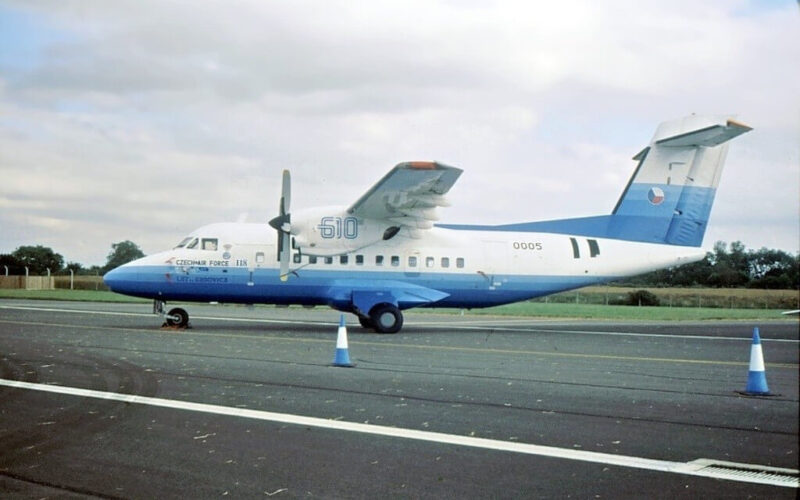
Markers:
point(737, 124)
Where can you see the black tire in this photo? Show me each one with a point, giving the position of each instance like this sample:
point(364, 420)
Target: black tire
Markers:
point(178, 317)
point(386, 318)
point(366, 322)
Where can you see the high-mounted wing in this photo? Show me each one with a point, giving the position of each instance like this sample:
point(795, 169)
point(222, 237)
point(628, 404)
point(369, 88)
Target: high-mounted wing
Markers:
point(408, 195)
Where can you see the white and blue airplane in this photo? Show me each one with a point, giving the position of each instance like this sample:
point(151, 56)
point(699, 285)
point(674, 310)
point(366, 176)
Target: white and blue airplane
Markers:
point(385, 253)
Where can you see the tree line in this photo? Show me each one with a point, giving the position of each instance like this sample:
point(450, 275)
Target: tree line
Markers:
point(39, 259)
point(725, 266)
point(731, 266)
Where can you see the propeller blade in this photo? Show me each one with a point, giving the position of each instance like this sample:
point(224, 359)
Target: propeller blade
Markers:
point(283, 224)
point(286, 192)
point(284, 254)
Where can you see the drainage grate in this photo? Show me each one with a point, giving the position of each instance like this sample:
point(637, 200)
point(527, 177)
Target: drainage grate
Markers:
point(733, 471)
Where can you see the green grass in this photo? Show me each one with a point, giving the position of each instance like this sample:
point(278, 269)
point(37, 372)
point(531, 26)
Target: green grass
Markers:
point(537, 309)
point(77, 295)
point(633, 313)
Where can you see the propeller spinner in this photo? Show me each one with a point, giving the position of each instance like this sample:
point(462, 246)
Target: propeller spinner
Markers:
point(283, 224)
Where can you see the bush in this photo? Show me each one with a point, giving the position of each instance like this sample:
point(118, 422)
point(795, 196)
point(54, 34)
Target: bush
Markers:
point(641, 298)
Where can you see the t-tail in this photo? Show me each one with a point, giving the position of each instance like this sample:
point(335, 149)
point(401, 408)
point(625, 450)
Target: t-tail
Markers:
point(668, 199)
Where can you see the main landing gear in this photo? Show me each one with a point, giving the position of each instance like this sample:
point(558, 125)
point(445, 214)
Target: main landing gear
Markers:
point(175, 318)
point(383, 318)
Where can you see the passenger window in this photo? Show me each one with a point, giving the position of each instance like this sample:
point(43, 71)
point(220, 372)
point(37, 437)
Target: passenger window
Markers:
point(312, 259)
point(379, 260)
point(343, 260)
point(297, 258)
point(576, 252)
point(594, 248)
point(329, 260)
point(260, 258)
point(460, 262)
point(210, 244)
point(359, 260)
point(412, 261)
point(395, 260)
point(445, 261)
point(429, 261)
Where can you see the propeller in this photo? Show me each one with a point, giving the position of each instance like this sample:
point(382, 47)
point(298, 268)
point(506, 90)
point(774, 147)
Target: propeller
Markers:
point(283, 224)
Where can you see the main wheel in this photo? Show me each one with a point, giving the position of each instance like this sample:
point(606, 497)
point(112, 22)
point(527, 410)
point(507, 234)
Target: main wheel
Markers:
point(366, 322)
point(386, 318)
point(178, 317)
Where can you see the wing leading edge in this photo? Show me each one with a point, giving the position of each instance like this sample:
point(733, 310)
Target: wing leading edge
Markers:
point(408, 195)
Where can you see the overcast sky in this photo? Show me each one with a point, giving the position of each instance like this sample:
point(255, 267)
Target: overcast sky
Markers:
point(135, 120)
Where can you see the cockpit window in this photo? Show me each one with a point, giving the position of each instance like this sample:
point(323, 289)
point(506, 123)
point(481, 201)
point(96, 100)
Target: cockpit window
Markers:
point(210, 244)
point(184, 242)
point(193, 244)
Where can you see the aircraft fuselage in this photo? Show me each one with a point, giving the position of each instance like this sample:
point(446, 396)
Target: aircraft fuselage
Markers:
point(471, 269)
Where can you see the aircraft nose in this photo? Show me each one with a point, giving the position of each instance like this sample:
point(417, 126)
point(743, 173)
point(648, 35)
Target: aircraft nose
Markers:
point(112, 279)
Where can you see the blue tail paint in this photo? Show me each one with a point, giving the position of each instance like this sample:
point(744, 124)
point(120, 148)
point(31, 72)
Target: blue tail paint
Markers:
point(669, 197)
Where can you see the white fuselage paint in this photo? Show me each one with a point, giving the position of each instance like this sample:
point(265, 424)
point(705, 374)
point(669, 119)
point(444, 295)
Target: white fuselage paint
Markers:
point(489, 253)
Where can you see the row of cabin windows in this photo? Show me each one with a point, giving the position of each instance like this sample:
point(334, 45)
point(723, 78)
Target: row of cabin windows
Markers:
point(380, 260)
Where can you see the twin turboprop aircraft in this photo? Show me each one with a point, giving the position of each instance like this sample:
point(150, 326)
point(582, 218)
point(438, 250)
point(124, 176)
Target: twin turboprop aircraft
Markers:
point(385, 253)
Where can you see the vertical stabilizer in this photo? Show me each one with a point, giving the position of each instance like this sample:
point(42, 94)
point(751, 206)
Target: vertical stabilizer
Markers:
point(670, 194)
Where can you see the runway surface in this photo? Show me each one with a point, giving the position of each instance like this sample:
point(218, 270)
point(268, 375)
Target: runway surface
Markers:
point(247, 404)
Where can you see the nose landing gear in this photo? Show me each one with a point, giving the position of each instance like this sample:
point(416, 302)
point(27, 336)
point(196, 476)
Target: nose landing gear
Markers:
point(175, 318)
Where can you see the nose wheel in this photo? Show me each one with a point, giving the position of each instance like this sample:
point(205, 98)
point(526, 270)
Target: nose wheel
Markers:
point(175, 318)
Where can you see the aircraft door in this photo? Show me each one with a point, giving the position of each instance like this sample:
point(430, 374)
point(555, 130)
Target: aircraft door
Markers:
point(494, 254)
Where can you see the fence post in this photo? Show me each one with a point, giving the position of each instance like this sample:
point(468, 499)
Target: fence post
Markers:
point(71, 279)
point(6, 270)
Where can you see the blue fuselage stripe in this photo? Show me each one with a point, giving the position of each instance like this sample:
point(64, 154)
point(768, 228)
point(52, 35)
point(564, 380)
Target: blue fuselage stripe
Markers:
point(333, 288)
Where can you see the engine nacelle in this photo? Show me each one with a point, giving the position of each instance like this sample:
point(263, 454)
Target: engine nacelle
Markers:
point(329, 231)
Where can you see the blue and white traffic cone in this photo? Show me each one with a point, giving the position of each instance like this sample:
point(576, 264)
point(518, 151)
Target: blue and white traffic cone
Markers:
point(342, 357)
point(757, 376)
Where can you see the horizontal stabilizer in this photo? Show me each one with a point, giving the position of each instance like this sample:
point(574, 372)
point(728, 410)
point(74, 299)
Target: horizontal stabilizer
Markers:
point(710, 136)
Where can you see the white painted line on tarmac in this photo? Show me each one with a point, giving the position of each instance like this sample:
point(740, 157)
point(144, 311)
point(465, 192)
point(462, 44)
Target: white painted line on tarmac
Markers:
point(151, 315)
point(461, 325)
point(533, 328)
point(53, 309)
point(689, 468)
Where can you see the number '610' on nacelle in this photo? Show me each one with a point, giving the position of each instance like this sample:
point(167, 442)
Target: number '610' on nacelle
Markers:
point(328, 231)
